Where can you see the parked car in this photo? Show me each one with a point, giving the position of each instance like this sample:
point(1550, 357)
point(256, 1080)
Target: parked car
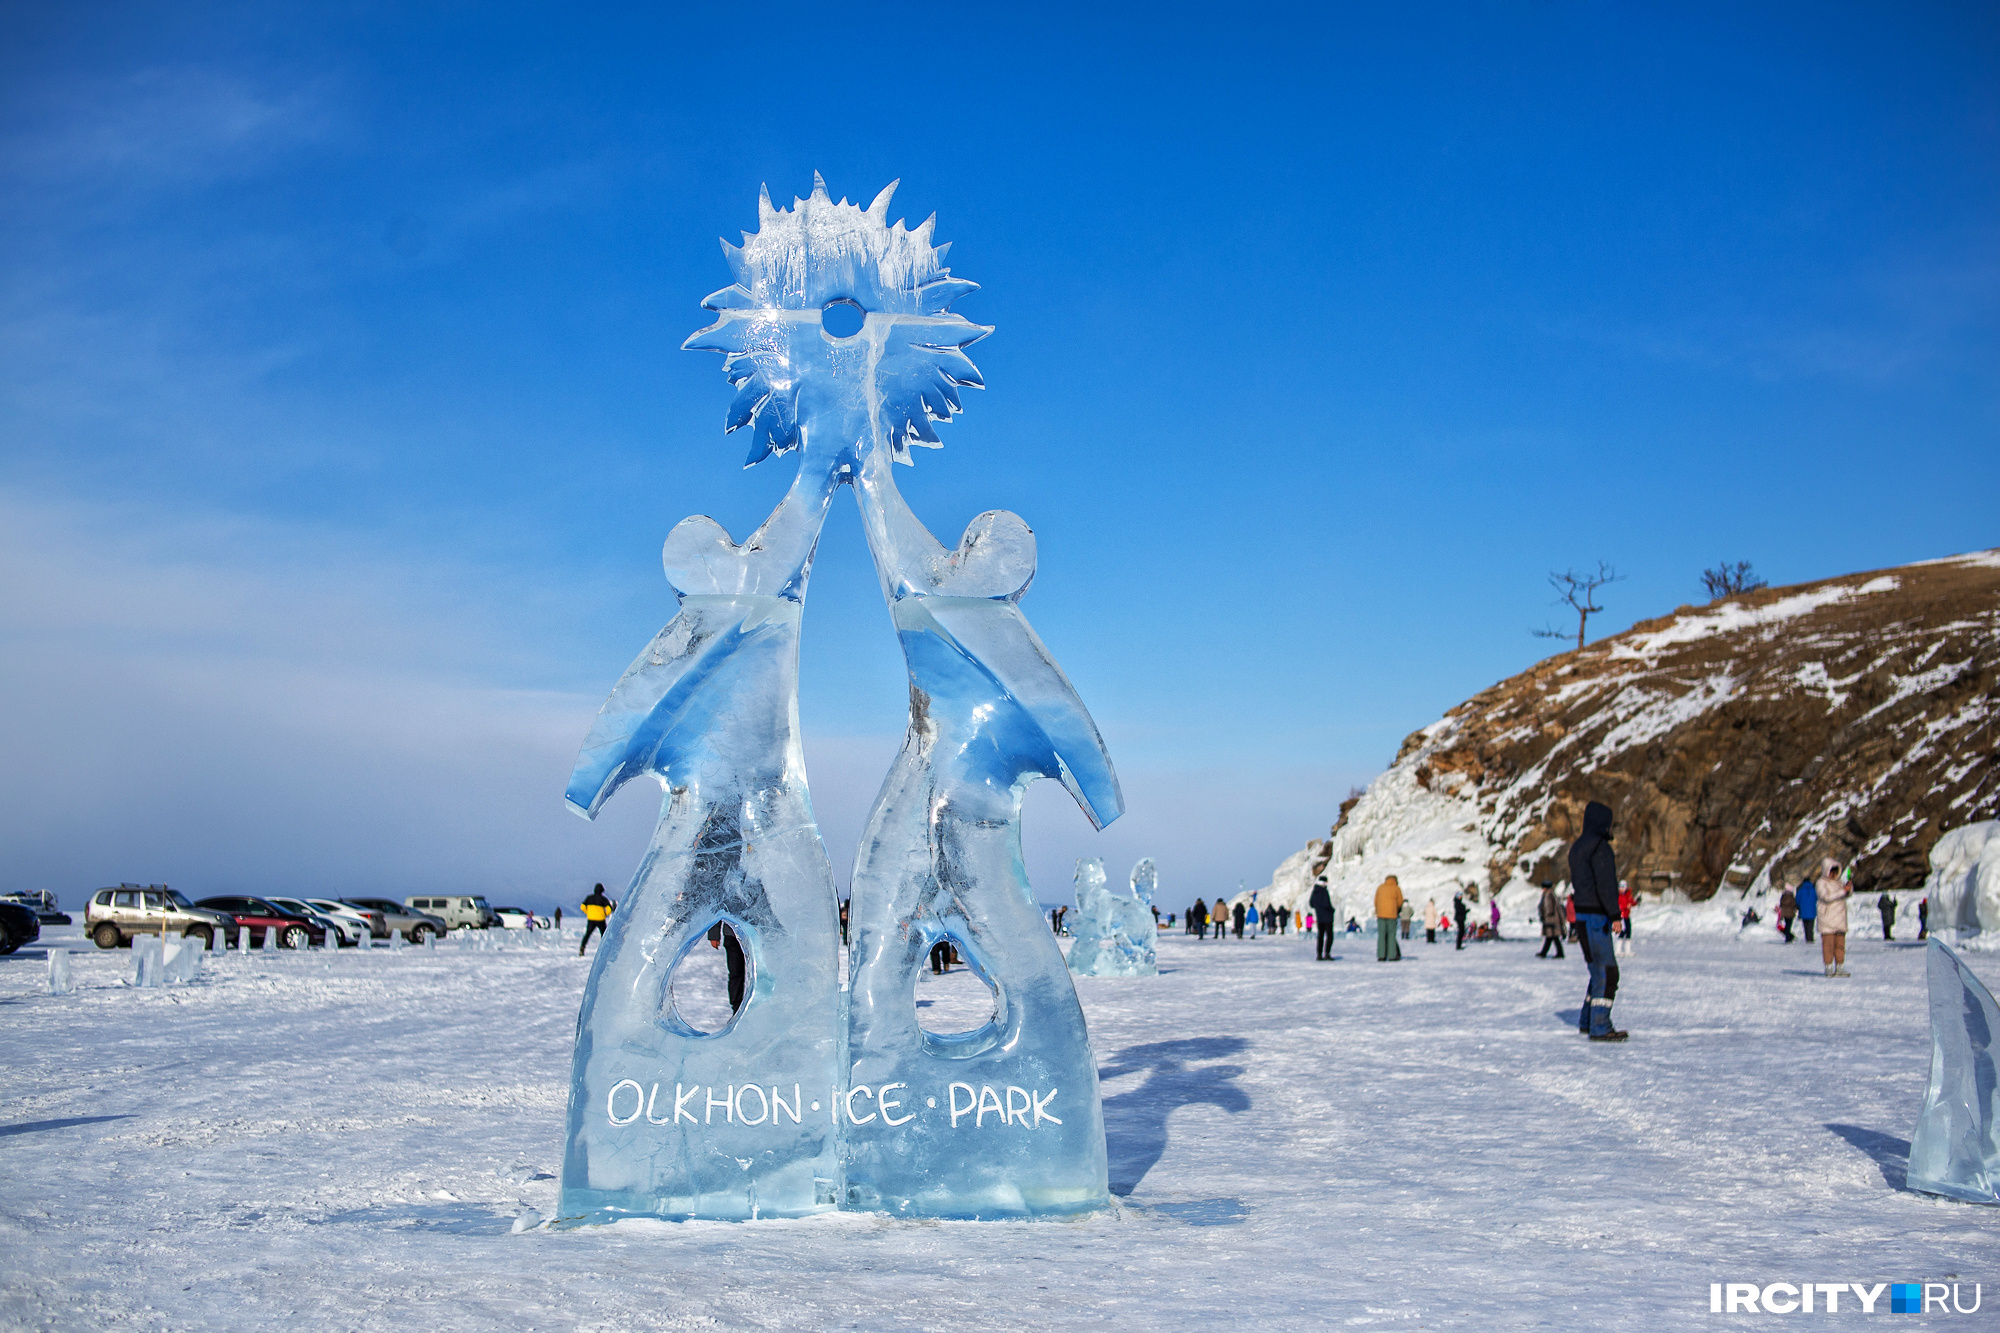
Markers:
point(412, 925)
point(114, 916)
point(338, 929)
point(254, 916)
point(460, 911)
point(371, 922)
point(515, 918)
point(18, 926)
point(41, 902)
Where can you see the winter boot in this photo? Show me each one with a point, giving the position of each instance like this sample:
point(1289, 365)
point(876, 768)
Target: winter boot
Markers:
point(1840, 971)
point(1600, 1022)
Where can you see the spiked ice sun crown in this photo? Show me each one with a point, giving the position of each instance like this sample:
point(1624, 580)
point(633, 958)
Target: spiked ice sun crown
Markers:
point(887, 384)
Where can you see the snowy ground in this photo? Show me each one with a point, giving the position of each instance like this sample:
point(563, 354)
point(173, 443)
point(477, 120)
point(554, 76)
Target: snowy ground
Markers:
point(343, 1142)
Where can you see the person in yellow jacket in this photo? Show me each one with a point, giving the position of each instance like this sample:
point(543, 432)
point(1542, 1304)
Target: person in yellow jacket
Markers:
point(1388, 907)
point(597, 909)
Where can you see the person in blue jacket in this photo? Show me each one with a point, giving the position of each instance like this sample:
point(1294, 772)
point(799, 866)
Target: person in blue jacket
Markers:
point(1593, 878)
point(1808, 896)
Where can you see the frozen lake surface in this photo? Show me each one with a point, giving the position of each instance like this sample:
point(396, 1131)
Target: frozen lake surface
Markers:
point(344, 1142)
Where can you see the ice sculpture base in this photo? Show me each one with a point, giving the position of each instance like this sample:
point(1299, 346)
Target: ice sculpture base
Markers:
point(1955, 1149)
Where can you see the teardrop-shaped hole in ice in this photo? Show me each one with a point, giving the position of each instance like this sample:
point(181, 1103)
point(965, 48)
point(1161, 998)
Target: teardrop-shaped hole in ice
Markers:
point(699, 988)
point(956, 1000)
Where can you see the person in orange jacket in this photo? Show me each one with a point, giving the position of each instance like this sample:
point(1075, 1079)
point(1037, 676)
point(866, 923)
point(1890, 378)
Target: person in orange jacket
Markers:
point(1388, 907)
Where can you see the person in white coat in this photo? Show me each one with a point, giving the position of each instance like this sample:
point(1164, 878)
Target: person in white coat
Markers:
point(1834, 891)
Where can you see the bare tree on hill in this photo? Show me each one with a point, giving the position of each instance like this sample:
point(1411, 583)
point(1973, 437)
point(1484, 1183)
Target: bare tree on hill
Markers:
point(1726, 580)
point(1579, 593)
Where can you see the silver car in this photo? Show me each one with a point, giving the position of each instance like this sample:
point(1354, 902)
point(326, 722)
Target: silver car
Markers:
point(416, 927)
point(339, 930)
point(371, 923)
point(114, 916)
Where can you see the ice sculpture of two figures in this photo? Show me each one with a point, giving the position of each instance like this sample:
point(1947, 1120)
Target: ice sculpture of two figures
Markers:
point(1115, 932)
point(1955, 1150)
point(809, 1097)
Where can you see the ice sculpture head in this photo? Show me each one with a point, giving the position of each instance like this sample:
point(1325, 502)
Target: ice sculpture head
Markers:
point(800, 385)
point(1145, 880)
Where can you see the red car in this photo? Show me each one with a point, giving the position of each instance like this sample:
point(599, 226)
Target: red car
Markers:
point(254, 916)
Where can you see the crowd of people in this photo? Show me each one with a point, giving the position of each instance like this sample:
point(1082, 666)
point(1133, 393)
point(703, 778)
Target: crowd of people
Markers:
point(1595, 916)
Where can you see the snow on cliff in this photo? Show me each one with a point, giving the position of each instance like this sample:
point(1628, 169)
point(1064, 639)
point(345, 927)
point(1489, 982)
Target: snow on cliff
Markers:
point(1857, 717)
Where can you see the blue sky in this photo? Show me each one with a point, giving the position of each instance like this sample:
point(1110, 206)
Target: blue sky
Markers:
point(341, 411)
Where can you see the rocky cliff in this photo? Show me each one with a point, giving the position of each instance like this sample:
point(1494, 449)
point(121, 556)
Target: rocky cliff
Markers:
point(1857, 717)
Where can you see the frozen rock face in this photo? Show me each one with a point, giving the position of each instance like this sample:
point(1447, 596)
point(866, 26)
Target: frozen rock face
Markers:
point(1114, 935)
point(1955, 1150)
point(1739, 741)
point(1964, 884)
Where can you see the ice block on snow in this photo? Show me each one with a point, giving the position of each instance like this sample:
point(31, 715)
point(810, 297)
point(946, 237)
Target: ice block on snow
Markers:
point(1955, 1150)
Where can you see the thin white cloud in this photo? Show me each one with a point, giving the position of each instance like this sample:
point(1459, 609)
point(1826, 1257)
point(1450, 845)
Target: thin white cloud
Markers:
point(171, 125)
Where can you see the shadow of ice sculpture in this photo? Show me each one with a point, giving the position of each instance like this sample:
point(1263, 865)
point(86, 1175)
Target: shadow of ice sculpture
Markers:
point(1115, 932)
point(1955, 1150)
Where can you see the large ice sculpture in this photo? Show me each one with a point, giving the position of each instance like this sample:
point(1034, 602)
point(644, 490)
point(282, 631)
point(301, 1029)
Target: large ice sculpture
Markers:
point(1115, 934)
point(1002, 1121)
point(1955, 1150)
point(711, 709)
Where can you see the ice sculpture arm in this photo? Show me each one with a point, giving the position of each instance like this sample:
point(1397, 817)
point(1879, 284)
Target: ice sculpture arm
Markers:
point(731, 596)
point(965, 602)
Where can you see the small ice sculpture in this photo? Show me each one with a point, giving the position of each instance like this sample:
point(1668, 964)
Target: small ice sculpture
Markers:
point(1115, 933)
point(60, 981)
point(1145, 884)
point(1955, 1150)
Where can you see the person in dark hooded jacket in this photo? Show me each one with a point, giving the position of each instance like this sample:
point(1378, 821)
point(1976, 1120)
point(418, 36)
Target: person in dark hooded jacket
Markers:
point(1593, 878)
point(1321, 903)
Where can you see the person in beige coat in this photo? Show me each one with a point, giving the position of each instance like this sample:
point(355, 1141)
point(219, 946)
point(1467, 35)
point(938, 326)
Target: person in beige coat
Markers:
point(1834, 892)
point(1388, 907)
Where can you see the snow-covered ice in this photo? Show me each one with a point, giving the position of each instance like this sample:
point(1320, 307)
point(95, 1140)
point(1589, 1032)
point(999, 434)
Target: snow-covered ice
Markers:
point(347, 1141)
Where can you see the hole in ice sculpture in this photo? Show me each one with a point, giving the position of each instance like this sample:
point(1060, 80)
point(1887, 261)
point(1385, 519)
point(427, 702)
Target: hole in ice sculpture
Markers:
point(842, 318)
point(953, 1000)
point(710, 979)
